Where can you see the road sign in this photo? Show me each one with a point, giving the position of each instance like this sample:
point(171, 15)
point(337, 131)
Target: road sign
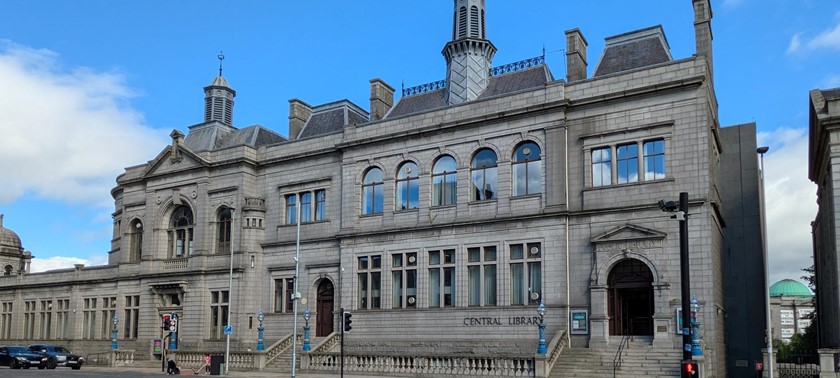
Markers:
point(228, 330)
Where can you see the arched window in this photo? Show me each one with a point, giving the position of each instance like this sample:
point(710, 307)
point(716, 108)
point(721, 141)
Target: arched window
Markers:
point(408, 186)
point(444, 181)
point(136, 240)
point(7, 270)
point(181, 232)
point(372, 196)
point(223, 232)
point(527, 169)
point(483, 173)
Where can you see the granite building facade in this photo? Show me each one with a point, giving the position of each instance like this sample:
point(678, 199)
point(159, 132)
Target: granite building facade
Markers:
point(440, 220)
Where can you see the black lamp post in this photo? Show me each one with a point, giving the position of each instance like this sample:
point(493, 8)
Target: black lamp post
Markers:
point(114, 333)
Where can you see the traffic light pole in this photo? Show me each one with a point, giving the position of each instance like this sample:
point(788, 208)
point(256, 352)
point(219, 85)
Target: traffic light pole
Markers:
point(342, 342)
point(684, 276)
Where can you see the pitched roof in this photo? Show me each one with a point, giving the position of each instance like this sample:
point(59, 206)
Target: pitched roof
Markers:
point(214, 135)
point(529, 78)
point(332, 117)
point(635, 49)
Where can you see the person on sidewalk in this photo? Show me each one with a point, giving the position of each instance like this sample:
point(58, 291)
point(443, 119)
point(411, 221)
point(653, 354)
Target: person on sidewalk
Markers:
point(171, 365)
point(206, 365)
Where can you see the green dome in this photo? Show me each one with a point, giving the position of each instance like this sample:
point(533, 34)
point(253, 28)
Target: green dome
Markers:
point(790, 288)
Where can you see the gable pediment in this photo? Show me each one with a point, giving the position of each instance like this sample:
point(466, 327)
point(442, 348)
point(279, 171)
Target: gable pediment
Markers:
point(628, 237)
point(174, 159)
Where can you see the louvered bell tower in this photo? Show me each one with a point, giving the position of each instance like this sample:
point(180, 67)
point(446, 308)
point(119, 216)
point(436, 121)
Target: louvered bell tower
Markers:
point(469, 56)
point(218, 99)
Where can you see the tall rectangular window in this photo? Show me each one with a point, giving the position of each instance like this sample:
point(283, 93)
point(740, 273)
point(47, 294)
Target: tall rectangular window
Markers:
point(306, 207)
point(284, 289)
point(109, 309)
point(46, 319)
point(602, 166)
point(29, 319)
point(63, 319)
point(370, 281)
point(481, 272)
point(320, 205)
point(525, 273)
point(131, 317)
point(291, 209)
point(219, 302)
point(89, 313)
point(6, 320)
point(654, 159)
point(627, 163)
point(442, 278)
point(404, 280)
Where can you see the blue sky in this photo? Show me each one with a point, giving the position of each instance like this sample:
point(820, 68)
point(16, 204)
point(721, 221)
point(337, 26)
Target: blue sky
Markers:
point(91, 87)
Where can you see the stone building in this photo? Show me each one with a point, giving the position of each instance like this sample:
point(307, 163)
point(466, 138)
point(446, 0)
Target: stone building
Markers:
point(792, 305)
point(824, 114)
point(440, 220)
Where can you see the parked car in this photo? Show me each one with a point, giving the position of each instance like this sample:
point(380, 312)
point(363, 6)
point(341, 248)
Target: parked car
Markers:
point(17, 357)
point(58, 356)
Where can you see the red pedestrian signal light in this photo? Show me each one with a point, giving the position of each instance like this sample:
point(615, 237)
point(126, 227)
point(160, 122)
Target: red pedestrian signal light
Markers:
point(166, 322)
point(689, 369)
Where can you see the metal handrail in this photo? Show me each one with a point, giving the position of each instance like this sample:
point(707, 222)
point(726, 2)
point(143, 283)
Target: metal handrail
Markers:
point(625, 340)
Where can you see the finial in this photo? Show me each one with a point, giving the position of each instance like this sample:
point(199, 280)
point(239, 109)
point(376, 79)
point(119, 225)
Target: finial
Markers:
point(221, 57)
point(543, 50)
point(1, 219)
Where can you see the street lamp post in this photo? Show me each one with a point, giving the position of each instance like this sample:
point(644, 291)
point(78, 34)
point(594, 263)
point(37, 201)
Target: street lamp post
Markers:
point(681, 214)
point(260, 317)
point(696, 349)
point(230, 291)
point(761, 151)
point(114, 333)
point(541, 349)
point(306, 315)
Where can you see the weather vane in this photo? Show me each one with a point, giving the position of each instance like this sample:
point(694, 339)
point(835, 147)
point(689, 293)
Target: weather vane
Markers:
point(221, 57)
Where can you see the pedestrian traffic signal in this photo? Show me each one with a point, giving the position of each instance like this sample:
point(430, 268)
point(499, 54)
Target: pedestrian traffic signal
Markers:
point(347, 321)
point(688, 369)
point(166, 322)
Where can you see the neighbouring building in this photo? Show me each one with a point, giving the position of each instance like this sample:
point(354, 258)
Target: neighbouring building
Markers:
point(791, 306)
point(824, 116)
point(440, 219)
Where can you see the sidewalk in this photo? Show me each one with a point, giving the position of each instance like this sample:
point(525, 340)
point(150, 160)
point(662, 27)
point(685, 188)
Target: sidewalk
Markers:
point(238, 374)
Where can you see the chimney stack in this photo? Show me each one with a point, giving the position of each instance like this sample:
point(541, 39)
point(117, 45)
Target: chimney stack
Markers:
point(299, 113)
point(703, 30)
point(381, 99)
point(575, 55)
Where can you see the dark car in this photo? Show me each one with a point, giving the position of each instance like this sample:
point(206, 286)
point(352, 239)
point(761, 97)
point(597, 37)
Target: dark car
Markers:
point(58, 356)
point(17, 357)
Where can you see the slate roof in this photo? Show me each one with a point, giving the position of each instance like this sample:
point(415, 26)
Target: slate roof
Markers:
point(498, 85)
point(635, 49)
point(831, 93)
point(214, 135)
point(332, 117)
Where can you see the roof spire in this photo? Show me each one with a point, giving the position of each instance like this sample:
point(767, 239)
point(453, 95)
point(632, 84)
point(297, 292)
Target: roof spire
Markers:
point(221, 57)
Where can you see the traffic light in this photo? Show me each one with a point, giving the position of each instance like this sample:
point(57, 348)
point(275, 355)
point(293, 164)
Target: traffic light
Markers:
point(688, 369)
point(165, 325)
point(173, 323)
point(347, 321)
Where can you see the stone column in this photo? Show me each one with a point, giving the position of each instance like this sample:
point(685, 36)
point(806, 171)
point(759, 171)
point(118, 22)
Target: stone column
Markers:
point(599, 320)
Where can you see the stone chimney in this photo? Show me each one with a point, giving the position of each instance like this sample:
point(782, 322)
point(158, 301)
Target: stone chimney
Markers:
point(381, 99)
point(299, 113)
point(575, 55)
point(703, 30)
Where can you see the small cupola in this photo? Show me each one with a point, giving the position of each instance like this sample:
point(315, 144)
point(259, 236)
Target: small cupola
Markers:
point(218, 99)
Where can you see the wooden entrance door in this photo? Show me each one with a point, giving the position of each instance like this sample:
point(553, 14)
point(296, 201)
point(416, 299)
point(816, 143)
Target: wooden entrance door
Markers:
point(630, 299)
point(324, 314)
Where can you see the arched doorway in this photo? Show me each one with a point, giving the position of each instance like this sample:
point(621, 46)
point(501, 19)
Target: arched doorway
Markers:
point(324, 314)
point(630, 299)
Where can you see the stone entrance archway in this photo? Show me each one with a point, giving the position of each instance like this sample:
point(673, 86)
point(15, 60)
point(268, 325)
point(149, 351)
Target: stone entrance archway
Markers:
point(630, 299)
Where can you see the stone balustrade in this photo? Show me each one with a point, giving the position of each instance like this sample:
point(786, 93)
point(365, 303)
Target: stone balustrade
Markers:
point(121, 357)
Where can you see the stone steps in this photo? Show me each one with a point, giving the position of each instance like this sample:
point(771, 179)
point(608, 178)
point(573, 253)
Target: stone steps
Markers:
point(639, 360)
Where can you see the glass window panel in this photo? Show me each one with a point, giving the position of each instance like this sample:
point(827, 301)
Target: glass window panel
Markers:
point(411, 259)
point(396, 260)
point(363, 292)
point(306, 207)
point(489, 253)
point(376, 287)
point(490, 285)
point(517, 284)
point(473, 254)
point(376, 262)
point(474, 289)
point(534, 177)
point(411, 287)
point(516, 251)
point(448, 289)
point(434, 258)
point(449, 256)
point(534, 282)
point(363, 263)
point(520, 187)
point(396, 289)
point(434, 287)
point(320, 205)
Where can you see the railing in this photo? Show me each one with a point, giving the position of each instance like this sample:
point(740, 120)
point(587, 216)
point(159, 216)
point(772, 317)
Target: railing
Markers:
point(277, 349)
point(423, 88)
point(101, 358)
point(516, 66)
point(122, 357)
point(176, 264)
point(619, 353)
point(555, 348)
point(329, 343)
point(425, 364)
point(238, 360)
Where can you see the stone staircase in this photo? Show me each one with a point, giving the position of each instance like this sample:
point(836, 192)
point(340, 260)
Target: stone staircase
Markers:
point(640, 359)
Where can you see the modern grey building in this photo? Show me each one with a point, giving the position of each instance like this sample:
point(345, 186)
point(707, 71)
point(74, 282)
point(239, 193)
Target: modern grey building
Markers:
point(441, 220)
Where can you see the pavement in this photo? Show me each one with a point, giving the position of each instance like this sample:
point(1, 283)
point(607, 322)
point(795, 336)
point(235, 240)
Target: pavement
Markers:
point(239, 374)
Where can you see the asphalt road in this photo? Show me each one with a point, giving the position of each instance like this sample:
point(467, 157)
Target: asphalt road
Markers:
point(107, 372)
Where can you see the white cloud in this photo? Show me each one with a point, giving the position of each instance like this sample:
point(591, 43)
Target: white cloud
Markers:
point(827, 39)
point(66, 133)
point(791, 202)
point(59, 262)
